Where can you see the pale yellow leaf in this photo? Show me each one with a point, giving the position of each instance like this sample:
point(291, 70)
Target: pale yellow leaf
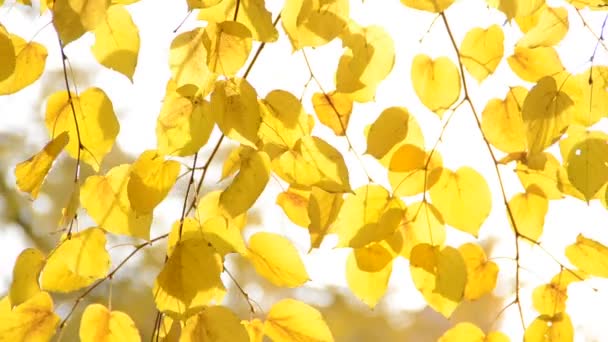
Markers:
point(290, 320)
point(98, 323)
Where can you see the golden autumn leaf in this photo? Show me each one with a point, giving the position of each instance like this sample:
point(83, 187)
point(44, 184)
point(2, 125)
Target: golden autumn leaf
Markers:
point(541, 170)
point(436, 82)
point(106, 200)
point(323, 209)
point(117, 41)
point(181, 288)
point(7, 51)
point(29, 63)
point(151, 179)
point(76, 262)
point(30, 174)
point(294, 203)
point(593, 83)
point(545, 328)
point(551, 28)
point(481, 272)
point(284, 120)
point(214, 323)
point(463, 198)
point(587, 165)
point(502, 123)
point(367, 272)
point(422, 223)
point(482, 50)
point(255, 329)
point(589, 255)
point(98, 323)
point(314, 23)
point(254, 16)
point(223, 238)
point(209, 207)
point(275, 258)
point(466, 331)
point(526, 23)
point(549, 299)
point(188, 61)
point(333, 110)
point(440, 275)
point(228, 44)
point(529, 210)
point(32, 320)
point(435, 6)
point(26, 272)
point(97, 123)
point(518, 8)
point(532, 64)
point(411, 172)
point(73, 18)
point(290, 320)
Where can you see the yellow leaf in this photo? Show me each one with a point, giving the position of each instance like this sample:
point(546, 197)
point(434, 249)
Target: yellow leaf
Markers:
point(276, 259)
point(407, 170)
point(29, 63)
point(235, 108)
point(313, 23)
point(481, 51)
point(463, 198)
point(188, 61)
point(394, 127)
point(481, 272)
point(117, 41)
point(68, 213)
point(368, 59)
point(203, 4)
point(97, 123)
point(189, 280)
point(248, 184)
point(313, 162)
point(587, 165)
point(440, 275)
point(367, 272)
point(232, 162)
point(323, 209)
point(294, 203)
point(30, 174)
point(591, 4)
point(26, 271)
point(100, 324)
point(208, 207)
point(216, 231)
point(526, 23)
point(434, 6)
point(436, 82)
point(333, 110)
point(529, 210)
point(551, 28)
point(284, 120)
point(214, 323)
point(519, 8)
point(33, 320)
point(228, 45)
point(370, 215)
point(253, 15)
point(549, 299)
point(550, 329)
point(7, 51)
point(533, 64)
point(547, 112)
point(497, 336)
point(151, 179)
point(184, 123)
point(589, 255)
point(541, 170)
point(72, 18)
point(255, 330)
point(422, 223)
point(106, 200)
point(290, 320)
point(502, 123)
point(593, 84)
point(463, 331)
point(76, 262)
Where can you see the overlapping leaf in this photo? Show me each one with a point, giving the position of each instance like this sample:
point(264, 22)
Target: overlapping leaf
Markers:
point(72, 18)
point(532, 64)
point(214, 323)
point(551, 28)
point(253, 14)
point(33, 320)
point(151, 179)
point(333, 110)
point(188, 61)
point(413, 171)
point(28, 64)
point(502, 123)
point(422, 224)
point(367, 272)
point(314, 23)
point(228, 45)
point(481, 272)
point(284, 120)
point(26, 271)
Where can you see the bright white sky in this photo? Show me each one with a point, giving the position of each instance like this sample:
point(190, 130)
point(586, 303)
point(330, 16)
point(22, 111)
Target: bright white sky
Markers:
point(138, 105)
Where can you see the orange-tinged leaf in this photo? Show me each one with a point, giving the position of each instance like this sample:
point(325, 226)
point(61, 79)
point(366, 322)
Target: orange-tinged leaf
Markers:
point(284, 120)
point(367, 272)
point(294, 203)
point(7, 51)
point(236, 110)
point(551, 28)
point(76, 262)
point(97, 123)
point(33, 320)
point(333, 110)
point(587, 165)
point(440, 275)
point(481, 272)
point(436, 82)
point(98, 323)
point(275, 258)
point(463, 331)
point(529, 210)
point(248, 184)
point(254, 16)
point(72, 18)
point(150, 181)
point(435, 6)
point(407, 170)
point(323, 209)
point(188, 61)
point(30, 174)
point(290, 320)
point(463, 198)
point(502, 123)
point(481, 51)
point(533, 64)
point(26, 271)
point(314, 23)
point(117, 41)
point(106, 200)
point(370, 215)
point(422, 223)
point(214, 323)
point(394, 126)
point(589, 255)
point(552, 329)
point(228, 44)
point(29, 63)
point(189, 280)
